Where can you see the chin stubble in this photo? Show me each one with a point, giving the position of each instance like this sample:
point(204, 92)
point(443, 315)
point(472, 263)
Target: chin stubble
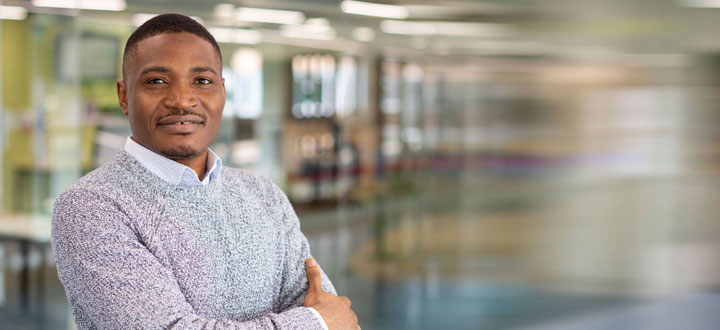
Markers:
point(181, 152)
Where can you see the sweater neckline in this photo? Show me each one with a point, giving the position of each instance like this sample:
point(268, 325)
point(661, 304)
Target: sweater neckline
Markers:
point(135, 168)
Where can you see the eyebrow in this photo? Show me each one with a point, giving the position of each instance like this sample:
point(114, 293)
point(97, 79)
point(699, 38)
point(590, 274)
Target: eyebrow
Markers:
point(199, 69)
point(162, 69)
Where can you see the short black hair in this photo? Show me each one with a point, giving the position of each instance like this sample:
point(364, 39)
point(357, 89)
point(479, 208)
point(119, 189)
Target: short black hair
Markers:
point(167, 23)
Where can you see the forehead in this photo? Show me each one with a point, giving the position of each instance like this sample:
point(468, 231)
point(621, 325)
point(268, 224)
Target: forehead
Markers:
point(172, 49)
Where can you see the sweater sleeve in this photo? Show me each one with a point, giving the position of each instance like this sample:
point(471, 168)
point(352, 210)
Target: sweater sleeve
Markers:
point(297, 250)
point(114, 282)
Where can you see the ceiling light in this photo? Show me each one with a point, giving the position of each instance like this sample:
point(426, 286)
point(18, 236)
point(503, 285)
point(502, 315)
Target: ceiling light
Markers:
point(13, 12)
point(269, 16)
point(364, 34)
point(373, 9)
point(409, 28)
point(111, 5)
point(57, 3)
point(224, 11)
point(318, 21)
point(458, 29)
point(700, 3)
point(315, 32)
point(468, 29)
point(235, 36)
point(317, 26)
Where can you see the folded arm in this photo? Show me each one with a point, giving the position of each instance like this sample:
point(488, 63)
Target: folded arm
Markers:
point(305, 280)
point(297, 250)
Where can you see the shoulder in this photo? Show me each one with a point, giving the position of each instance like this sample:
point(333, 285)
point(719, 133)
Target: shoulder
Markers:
point(253, 184)
point(97, 201)
point(79, 207)
point(106, 184)
point(87, 194)
point(248, 180)
point(97, 182)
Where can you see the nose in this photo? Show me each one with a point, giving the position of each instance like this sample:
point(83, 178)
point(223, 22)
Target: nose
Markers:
point(180, 96)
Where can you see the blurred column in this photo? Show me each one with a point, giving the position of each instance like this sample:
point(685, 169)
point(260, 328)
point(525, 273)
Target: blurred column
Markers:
point(57, 137)
point(15, 72)
point(276, 82)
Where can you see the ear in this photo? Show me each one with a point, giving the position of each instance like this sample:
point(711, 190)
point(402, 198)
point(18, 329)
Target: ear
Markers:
point(122, 95)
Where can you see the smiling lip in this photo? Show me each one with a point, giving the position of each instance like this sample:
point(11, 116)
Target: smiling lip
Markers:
point(181, 120)
point(181, 124)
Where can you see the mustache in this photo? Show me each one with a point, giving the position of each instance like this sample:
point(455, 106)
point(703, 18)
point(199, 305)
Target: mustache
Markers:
point(182, 112)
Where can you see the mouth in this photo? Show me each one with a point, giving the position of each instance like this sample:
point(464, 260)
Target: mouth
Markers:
point(185, 124)
point(181, 120)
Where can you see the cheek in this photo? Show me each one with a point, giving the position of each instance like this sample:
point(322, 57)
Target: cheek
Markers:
point(219, 102)
point(142, 110)
point(215, 107)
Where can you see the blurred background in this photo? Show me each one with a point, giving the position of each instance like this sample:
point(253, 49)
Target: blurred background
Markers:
point(459, 164)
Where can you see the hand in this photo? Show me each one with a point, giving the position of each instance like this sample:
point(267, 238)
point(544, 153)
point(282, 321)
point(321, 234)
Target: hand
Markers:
point(334, 310)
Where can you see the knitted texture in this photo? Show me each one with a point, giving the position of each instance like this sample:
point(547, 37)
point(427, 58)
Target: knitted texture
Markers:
point(136, 252)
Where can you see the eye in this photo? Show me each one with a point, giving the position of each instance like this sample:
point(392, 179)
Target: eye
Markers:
point(203, 81)
point(155, 81)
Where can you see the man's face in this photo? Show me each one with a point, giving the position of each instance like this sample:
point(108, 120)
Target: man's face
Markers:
point(173, 93)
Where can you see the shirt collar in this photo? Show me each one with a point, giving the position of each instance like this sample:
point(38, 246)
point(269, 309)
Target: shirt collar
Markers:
point(170, 170)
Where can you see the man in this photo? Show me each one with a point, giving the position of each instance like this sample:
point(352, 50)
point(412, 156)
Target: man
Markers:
point(164, 236)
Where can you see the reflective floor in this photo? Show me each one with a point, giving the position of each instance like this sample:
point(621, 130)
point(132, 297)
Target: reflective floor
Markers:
point(490, 251)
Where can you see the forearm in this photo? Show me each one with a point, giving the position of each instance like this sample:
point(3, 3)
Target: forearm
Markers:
point(295, 318)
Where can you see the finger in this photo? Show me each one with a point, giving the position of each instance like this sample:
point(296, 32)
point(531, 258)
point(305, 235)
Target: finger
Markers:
point(313, 275)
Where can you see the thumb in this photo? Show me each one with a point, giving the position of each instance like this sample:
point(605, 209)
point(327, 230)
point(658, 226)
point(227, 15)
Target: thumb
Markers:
point(313, 275)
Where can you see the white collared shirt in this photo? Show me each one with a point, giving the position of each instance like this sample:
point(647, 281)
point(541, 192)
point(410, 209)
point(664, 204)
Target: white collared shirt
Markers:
point(170, 170)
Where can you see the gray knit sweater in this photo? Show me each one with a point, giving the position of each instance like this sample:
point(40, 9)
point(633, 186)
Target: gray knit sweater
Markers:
point(136, 252)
